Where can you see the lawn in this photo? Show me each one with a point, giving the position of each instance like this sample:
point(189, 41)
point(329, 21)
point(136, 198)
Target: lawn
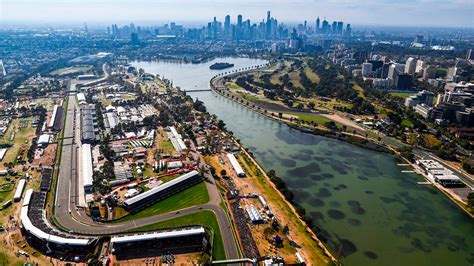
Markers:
point(204, 218)
point(309, 117)
point(311, 75)
point(406, 123)
point(403, 95)
point(23, 137)
point(189, 197)
point(359, 90)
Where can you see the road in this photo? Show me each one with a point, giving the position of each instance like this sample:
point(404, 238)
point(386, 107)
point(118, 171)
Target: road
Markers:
point(75, 221)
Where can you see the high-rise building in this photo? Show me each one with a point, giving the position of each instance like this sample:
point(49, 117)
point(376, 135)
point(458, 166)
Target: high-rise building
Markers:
point(268, 31)
point(334, 27)
point(366, 69)
point(325, 28)
point(404, 81)
point(348, 32)
point(410, 66)
point(317, 29)
point(134, 38)
point(227, 26)
point(340, 27)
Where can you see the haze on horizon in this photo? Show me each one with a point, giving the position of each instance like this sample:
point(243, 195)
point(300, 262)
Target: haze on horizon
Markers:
point(422, 13)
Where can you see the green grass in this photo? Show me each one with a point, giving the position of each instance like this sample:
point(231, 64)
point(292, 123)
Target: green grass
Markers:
point(403, 95)
point(189, 197)
point(248, 97)
point(359, 90)
point(203, 218)
point(309, 117)
point(311, 75)
point(406, 123)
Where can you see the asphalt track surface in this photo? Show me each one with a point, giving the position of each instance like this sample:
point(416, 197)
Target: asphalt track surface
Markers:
point(75, 221)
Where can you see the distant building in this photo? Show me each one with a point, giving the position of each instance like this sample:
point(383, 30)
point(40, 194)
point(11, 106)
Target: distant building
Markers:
point(366, 69)
point(134, 38)
point(410, 66)
point(425, 97)
point(423, 110)
point(429, 72)
point(404, 81)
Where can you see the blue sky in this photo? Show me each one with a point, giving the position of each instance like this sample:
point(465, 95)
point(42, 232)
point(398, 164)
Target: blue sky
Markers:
point(449, 13)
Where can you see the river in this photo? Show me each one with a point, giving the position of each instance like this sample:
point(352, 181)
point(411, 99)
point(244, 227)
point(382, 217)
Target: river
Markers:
point(357, 197)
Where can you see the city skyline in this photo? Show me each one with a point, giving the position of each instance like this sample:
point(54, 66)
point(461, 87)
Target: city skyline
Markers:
point(456, 13)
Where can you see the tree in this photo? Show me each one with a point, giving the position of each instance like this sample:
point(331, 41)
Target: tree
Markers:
point(223, 172)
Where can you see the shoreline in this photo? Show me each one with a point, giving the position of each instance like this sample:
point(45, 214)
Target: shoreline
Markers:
point(329, 134)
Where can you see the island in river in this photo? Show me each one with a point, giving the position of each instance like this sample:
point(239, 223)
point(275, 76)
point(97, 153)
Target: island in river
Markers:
point(218, 66)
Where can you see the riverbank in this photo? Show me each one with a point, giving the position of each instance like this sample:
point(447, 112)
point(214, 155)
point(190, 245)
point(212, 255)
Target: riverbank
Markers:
point(352, 138)
point(365, 142)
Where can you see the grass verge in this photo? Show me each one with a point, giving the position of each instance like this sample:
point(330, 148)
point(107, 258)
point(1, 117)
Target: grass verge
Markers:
point(189, 197)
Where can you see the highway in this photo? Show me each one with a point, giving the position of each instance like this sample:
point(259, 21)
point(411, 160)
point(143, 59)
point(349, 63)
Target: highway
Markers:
point(75, 221)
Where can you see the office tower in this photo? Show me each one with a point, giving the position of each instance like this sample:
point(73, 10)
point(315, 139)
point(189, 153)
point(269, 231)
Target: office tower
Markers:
point(134, 38)
point(334, 27)
point(340, 26)
point(385, 70)
point(227, 26)
point(348, 32)
point(420, 66)
point(239, 21)
point(404, 81)
point(325, 27)
point(470, 55)
point(410, 66)
point(366, 69)
point(268, 31)
point(392, 72)
point(86, 30)
point(317, 25)
point(108, 30)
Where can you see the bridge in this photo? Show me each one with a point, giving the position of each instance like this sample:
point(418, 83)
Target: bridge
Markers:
point(197, 90)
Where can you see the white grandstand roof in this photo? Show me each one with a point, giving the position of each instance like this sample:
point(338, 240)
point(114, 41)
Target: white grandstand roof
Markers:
point(235, 164)
point(87, 171)
point(160, 188)
point(157, 235)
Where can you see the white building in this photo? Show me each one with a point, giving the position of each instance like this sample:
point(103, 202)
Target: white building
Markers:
point(410, 66)
point(235, 164)
point(87, 169)
point(366, 69)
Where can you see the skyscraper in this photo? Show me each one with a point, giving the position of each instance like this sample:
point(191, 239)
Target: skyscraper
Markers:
point(268, 31)
point(410, 66)
point(348, 32)
point(238, 30)
point(227, 26)
point(325, 27)
point(317, 25)
point(340, 26)
point(334, 27)
point(134, 38)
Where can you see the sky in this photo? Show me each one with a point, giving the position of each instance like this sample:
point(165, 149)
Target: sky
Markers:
point(420, 13)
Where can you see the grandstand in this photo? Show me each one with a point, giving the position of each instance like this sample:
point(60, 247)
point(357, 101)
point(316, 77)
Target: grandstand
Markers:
point(46, 176)
point(163, 191)
point(174, 241)
point(43, 237)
